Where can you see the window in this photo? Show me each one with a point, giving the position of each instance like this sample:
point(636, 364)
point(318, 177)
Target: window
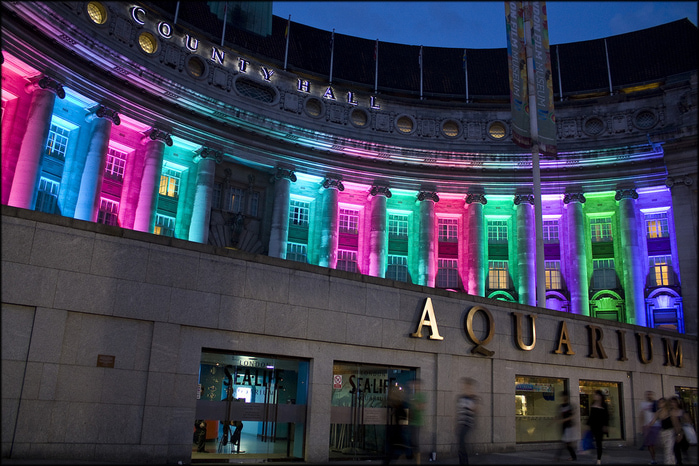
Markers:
point(397, 225)
point(170, 182)
point(296, 252)
point(536, 403)
point(57, 144)
point(553, 275)
point(47, 197)
point(254, 202)
point(116, 161)
point(298, 212)
point(216, 196)
point(656, 225)
point(601, 229)
point(235, 201)
point(603, 274)
point(349, 221)
point(108, 212)
point(497, 231)
point(346, 260)
point(448, 229)
point(164, 226)
point(660, 271)
point(550, 231)
point(447, 273)
point(498, 277)
point(397, 268)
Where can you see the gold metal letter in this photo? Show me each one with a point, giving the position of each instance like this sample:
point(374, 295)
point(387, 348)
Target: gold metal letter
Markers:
point(518, 331)
point(642, 349)
point(564, 339)
point(480, 349)
point(622, 345)
point(672, 358)
point(596, 348)
point(428, 310)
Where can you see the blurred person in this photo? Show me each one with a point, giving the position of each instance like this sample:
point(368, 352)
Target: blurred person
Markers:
point(466, 410)
point(650, 430)
point(670, 430)
point(566, 418)
point(200, 435)
point(681, 443)
point(599, 421)
point(396, 439)
point(416, 409)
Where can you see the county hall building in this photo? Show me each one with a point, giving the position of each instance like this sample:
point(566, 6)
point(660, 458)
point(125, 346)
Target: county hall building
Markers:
point(213, 214)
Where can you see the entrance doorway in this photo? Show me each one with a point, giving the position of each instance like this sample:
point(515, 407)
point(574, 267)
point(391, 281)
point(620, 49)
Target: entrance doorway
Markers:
point(253, 407)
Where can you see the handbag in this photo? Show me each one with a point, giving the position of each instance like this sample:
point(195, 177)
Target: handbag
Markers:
point(689, 434)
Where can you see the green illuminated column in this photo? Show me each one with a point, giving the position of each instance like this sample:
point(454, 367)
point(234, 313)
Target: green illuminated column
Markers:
point(330, 224)
point(378, 232)
point(476, 259)
point(155, 142)
point(526, 249)
point(576, 265)
point(279, 234)
point(206, 160)
point(632, 257)
point(427, 258)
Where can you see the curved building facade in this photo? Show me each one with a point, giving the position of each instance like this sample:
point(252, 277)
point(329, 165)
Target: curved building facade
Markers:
point(322, 186)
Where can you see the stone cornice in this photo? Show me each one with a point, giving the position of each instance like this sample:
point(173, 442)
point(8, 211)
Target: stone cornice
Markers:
point(427, 196)
point(574, 197)
point(524, 199)
point(478, 198)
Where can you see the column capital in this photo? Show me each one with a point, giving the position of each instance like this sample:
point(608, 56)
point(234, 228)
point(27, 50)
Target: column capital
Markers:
point(380, 191)
point(46, 83)
point(208, 153)
point(428, 196)
point(626, 193)
point(333, 182)
point(155, 134)
point(284, 173)
point(524, 198)
point(573, 197)
point(677, 180)
point(102, 111)
point(476, 197)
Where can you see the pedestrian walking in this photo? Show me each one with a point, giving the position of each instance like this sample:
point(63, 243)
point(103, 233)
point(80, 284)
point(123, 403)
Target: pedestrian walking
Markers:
point(670, 430)
point(567, 419)
point(599, 421)
point(397, 423)
point(466, 410)
point(681, 444)
point(650, 430)
point(416, 408)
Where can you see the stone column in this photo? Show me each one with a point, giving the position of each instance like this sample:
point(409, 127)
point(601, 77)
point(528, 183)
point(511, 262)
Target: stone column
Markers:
point(330, 224)
point(427, 247)
point(576, 278)
point(477, 242)
point(155, 142)
point(206, 160)
point(93, 173)
point(31, 153)
point(378, 231)
point(632, 256)
point(526, 249)
point(279, 234)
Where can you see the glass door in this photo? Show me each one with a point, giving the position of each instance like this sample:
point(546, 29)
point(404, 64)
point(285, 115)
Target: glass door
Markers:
point(253, 406)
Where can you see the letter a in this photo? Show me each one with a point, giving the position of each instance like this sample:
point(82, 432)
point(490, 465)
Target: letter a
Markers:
point(428, 312)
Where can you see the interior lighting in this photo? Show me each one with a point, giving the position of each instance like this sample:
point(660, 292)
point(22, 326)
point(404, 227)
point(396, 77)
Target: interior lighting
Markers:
point(97, 12)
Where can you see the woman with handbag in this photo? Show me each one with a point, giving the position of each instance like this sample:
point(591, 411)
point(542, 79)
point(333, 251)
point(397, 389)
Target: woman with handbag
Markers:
point(598, 421)
point(670, 429)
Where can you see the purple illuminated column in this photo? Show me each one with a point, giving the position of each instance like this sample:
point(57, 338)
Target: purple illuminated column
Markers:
point(206, 160)
point(152, 167)
point(577, 260)
point(526, 249)
point(31, 153)
point(378, 231)
point(330, 225)
point(632, 256)
point(474, 280)
point(91, 182)
point(427, 249)
point(279, 234)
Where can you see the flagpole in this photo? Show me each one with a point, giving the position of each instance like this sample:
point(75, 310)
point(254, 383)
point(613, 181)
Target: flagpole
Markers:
point(332, 52)
point(225, 20)
point(421, 72)
point(177, 12)
point(376, 70)
point(286, 50)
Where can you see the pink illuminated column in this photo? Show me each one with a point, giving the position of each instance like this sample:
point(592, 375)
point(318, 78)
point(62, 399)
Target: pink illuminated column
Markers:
point(91, 182)
point(330, 223)
point(526, 249)
point(155, 142)
point(427, 248)
point(576, 266)
point(476, 258)
point(279, 234)
point(206, 160)
point(633, 257)
point(31, 153)
point(378, 231)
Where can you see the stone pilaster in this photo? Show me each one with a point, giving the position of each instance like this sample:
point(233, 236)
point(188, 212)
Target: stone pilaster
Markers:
point(632, 256)
point(206, 160)
point(476, 258)
point(155, 141)
point(427, 248)
point(576, 276)
point(526, 248)
point(378, 231)
point(279, 235)
point(330, 223)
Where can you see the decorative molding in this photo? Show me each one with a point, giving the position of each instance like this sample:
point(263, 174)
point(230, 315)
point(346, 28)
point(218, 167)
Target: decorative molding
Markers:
point(626, 193)
point(476, 197)
point(208, 153)
point(672, 181)
point(524, 198)
point(47, 83)
point(333, 182)
point(377, 190)
point(574, 197)
point(428, 196)
point(102, 111)
point(155, 134)
point(284, 173)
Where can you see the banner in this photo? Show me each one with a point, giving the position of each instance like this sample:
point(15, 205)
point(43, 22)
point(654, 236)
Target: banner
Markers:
point(517, 63)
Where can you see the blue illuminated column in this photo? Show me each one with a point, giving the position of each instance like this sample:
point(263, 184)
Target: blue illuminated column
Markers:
point(632, 256)
point(526, 249)
point(476, 240)
point(206, 160)
point(576, 265)
point(91, 181)
point(155, 142)
point(279, 234)
point(31, 153)
point(378, 231)
point(330, 223)
point(427, 252)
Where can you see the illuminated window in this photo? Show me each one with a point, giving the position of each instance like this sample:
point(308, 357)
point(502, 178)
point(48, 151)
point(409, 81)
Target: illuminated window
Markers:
point(164, 226)
point(550, 231)
point(57, 144)
point(397, 225)
point(235, 201)
point(448, 229)
point(298, 212)
point(296, 252)
point(147, 42)
point(116, 161)
point(314, 107)
point(498, 276)
point(447, 274)
point(661, 271)
point(450, 128)
point(497, 231)
point(346, 260)
point(249, 88)
point(47, 197)
point(108, 212)
point(253, 203)
point(404, 124)
point(196, 66)
point(170, 182)
point(656, 225)
point(397, 268)
point(603, 274)
point(359, 117)
point(349, 221)
point(601, 229)
point(553, 275)
point(497, 130)
point(97, 12)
